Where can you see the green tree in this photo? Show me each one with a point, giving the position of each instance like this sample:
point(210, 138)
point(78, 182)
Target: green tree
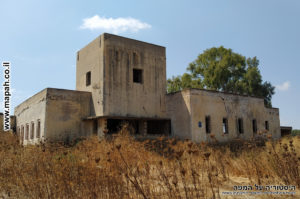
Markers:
point(295, 132)
point(223, 70)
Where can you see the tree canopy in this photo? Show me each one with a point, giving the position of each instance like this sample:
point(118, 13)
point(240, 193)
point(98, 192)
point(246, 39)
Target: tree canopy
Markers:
point(223, 70)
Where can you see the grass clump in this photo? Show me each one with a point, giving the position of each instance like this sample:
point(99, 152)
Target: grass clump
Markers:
point(123, 167)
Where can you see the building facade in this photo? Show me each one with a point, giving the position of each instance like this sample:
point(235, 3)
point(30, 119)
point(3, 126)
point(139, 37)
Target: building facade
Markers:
point(124, 80)
point(205, 116)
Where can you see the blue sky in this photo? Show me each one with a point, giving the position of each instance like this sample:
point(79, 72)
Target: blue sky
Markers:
point(41, 38)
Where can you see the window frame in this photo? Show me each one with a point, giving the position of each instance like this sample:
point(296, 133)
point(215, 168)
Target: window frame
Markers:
point(137, 72)
point(254, 126)
point(267, 125)
point(32, 130)
point(225, 124)
point(207, 124)
point(88, 78)
point(240, 125)
point(38, 129)
point(27, 131)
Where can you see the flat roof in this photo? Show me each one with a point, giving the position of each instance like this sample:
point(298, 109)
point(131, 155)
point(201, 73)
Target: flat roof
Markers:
point(46, 89)
point(108, 34)
point(215, 91)
point(286, 127)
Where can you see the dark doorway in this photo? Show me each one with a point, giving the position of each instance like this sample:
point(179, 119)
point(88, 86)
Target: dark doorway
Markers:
point(115, 125)
point(95, 127)
point(158, 127)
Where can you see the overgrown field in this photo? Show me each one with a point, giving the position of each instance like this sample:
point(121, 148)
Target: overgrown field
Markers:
point(122, 167)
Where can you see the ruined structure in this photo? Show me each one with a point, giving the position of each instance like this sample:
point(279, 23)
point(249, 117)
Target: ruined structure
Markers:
point(204, 115)
point(123, 80)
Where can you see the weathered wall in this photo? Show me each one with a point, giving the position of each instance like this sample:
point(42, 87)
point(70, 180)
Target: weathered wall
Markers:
point(111, 60)
point(219, 105)
point(32, 110)
point(90, 58)
point(272, 115)
point(179, 110)
point(122, 96)
point(64, 113)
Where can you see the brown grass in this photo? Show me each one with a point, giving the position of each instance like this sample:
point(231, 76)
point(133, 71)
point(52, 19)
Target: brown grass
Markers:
point(122, 167)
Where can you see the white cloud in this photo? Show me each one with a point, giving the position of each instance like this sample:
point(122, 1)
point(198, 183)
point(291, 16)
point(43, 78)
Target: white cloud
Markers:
point(114, 25)
point(284, 86)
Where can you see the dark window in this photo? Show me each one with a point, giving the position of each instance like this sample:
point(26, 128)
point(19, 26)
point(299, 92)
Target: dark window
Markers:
point(27, 132)
point(158, 127)
point(78, 56)
point(88, 78)
point(225, 125)
point(22, 132)
point(207, 124)
point(254, 126)
point(267, 125)
point(38, 129)
point(240, 125)
point(138, 76)
point(32, 131)
point(95, 126)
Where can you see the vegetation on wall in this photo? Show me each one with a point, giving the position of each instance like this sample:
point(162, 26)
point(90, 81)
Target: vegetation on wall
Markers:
point(222, 69)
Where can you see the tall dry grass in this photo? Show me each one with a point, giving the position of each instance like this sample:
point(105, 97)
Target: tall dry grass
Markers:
point(122, 167)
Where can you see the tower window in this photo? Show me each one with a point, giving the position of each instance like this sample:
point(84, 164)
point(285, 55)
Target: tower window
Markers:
point(88, 78)
point(138, 76)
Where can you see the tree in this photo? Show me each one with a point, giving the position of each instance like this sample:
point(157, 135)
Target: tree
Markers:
point(295, 132)
point(223, 70)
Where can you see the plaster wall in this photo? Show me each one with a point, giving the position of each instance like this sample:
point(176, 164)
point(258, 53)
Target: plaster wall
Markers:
point(90, 59)
point(30, 111)
point(123, 96)
point(219, 105)
point(65, 112)
point(179, 110)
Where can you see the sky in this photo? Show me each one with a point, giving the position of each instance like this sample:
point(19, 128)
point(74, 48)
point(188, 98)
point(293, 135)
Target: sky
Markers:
point(41, 38)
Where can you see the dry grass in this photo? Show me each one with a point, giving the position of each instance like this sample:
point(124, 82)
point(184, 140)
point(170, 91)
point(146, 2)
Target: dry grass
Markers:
point(122, 167)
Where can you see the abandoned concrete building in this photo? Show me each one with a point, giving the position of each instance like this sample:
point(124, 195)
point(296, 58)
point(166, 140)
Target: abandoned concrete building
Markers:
point(124, 80)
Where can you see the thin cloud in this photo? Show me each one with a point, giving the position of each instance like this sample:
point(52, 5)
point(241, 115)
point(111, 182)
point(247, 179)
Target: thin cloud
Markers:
point(284, 86)
point(114, 25)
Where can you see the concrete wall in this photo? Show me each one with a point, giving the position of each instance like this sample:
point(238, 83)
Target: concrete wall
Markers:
point(179, 110)
point(90, 58)
point(30, 111)
point(122, 96)
point(218, 105)
point(64, 114)
point(272, 115)
point(111, 60)
point(60, 113)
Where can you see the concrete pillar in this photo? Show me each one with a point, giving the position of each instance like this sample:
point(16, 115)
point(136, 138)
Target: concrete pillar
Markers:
point(102, 127)
point(143, 127)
